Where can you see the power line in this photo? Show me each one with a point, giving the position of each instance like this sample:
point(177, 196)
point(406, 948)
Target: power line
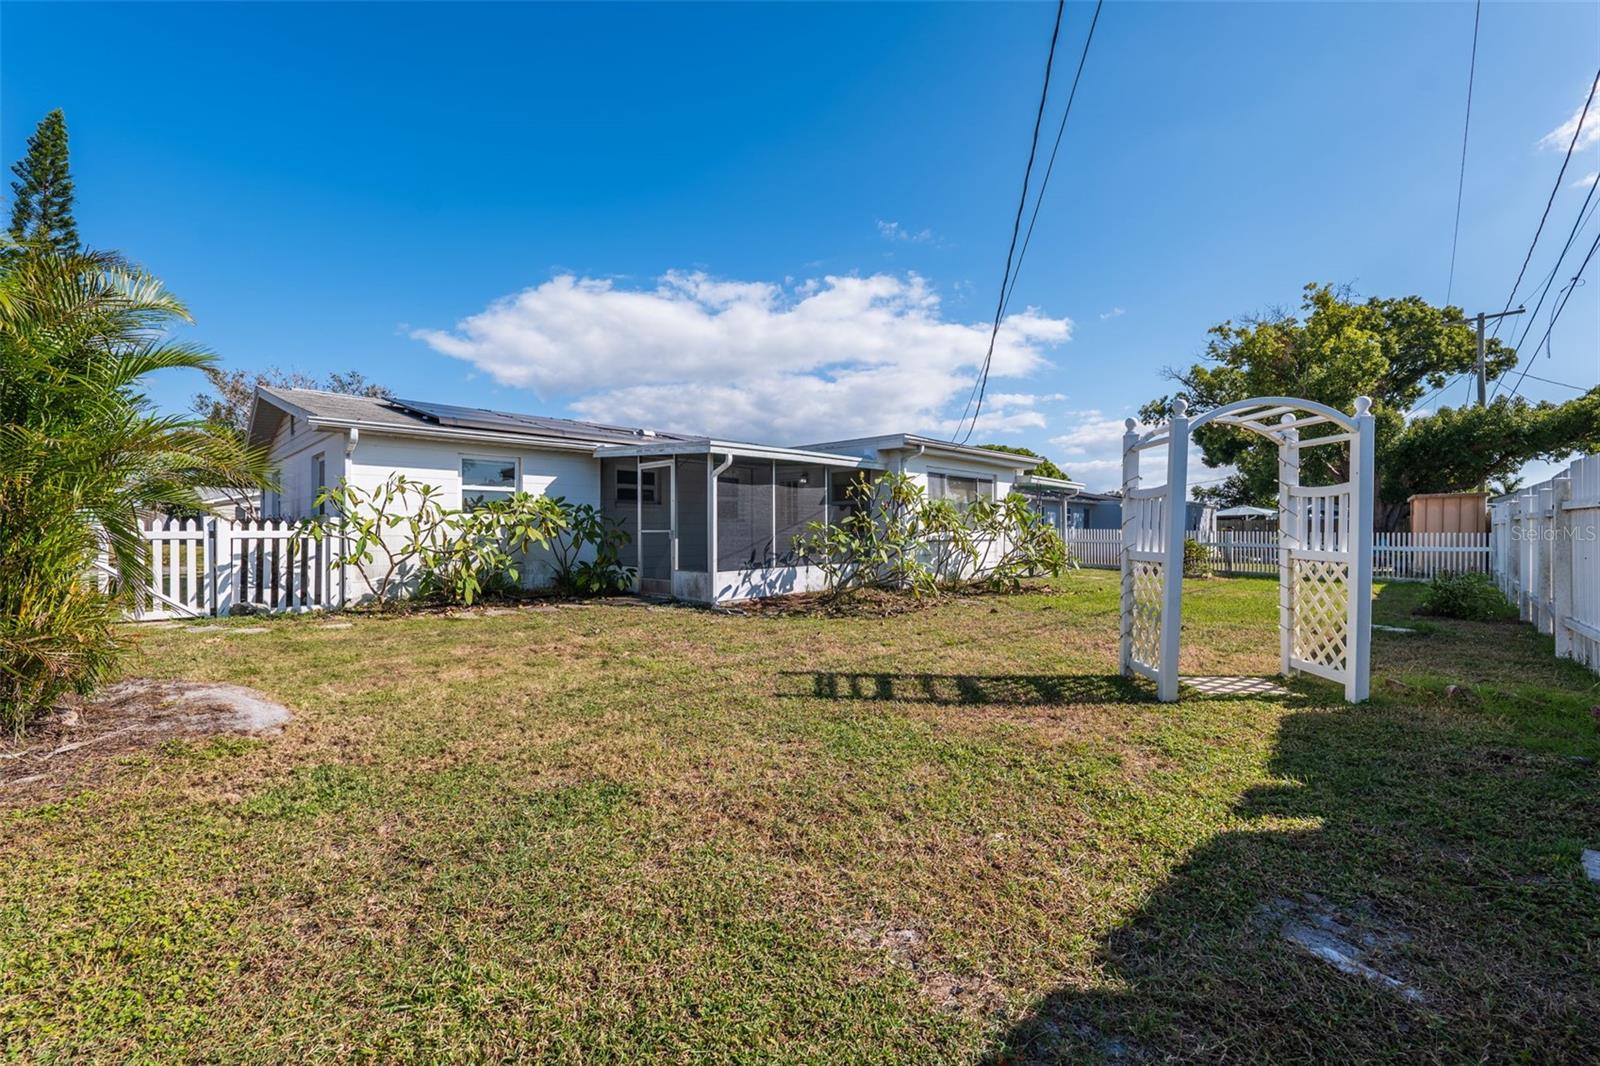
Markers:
point(981, 385)
point(1572, 235)
point(1461, 181)
point(1049, 169)
point(1555, 315)
point(1560, 174)
point(1551, 381)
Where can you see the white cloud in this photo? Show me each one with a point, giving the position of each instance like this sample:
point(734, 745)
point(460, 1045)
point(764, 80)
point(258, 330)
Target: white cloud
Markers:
point(828, 358)
point(1091, 452)
point(1561, 136)
point(1115, 312)
point(893, 231)
point(1587, 180)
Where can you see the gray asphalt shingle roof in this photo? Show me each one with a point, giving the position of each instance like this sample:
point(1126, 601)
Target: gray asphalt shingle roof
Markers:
point(419, 415)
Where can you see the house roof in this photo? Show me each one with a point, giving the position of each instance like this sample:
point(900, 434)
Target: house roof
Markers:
point(891, 442)
point(1054, 486)
point(332, 410)
point(740, 449)
point(1246, 511)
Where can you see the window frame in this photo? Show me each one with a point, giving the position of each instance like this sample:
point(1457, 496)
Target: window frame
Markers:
point(319, 482)
point(646, 478)
point(485, 493)
point(946, 475)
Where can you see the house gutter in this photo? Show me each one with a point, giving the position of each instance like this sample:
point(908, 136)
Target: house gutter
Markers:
point(444, 433)
point(712, 473)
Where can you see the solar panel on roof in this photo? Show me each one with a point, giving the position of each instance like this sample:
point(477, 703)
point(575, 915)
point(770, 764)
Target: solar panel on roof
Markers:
point(503, 421)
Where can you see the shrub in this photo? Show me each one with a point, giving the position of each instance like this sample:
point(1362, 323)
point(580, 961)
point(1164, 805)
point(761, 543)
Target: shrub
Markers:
point(475, 552)
point(1471, 596)
point(586, 526)
point(1196, 559)
point(893, 536)
point(398, 535)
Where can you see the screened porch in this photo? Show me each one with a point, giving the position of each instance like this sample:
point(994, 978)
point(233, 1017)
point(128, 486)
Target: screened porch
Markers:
point(713, 521)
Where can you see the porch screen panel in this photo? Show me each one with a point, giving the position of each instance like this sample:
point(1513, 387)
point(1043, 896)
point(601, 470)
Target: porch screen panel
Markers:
point(692, 514)
point(744, 516)
point(801, 495)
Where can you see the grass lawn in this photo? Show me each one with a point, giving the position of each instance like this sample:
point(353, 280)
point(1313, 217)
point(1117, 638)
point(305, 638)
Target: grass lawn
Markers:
point(615, 834)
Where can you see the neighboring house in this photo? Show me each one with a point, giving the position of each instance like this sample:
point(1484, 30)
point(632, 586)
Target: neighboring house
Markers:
point(1103, 510)
point(1247, 519)
point(1051, 498)
point(708, 520)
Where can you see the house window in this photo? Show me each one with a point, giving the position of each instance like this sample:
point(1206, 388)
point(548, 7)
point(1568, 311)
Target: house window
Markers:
point(319, 482)
point(629, 483)
point(960, 489)
point(486, 480)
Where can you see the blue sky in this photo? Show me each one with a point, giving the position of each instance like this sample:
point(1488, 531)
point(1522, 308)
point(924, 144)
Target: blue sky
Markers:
point(788, 222)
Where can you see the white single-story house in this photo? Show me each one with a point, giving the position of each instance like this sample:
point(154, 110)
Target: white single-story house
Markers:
point(708, 520)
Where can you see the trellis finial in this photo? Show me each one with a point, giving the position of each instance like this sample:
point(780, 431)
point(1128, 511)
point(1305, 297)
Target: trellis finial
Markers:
point(1180, 407)
point(1363, 405)
point(1129, 424)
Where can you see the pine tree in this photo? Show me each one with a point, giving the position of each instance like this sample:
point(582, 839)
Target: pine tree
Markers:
point(41, 209)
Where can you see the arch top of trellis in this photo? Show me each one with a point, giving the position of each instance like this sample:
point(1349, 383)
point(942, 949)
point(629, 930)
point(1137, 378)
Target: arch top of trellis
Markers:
point(1292, 415)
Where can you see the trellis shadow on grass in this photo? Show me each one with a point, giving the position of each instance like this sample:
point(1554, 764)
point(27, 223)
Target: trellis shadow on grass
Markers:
point(1014, 690)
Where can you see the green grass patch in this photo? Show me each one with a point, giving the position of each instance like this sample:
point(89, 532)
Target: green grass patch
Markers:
point(612, 834)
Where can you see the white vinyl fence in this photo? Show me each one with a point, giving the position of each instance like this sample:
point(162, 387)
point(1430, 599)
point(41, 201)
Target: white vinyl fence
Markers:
point(1395, 556)
point(212, 566)
point(1545, 542)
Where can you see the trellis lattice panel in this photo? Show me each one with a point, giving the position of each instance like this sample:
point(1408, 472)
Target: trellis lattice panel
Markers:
point(1321, 620)
point(1148, 587)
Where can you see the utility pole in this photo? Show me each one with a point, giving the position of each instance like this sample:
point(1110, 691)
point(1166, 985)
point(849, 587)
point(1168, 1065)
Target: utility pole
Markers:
point(1483, 383)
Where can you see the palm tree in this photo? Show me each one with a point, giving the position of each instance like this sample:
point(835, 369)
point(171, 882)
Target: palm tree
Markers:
point(81, 456)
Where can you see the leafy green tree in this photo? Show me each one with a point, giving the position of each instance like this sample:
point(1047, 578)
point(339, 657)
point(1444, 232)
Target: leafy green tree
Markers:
point(1460, 449)
point(81, 457)
point(41, 206)
point(1046, 468)
point(233, 391)
point(1336, 349)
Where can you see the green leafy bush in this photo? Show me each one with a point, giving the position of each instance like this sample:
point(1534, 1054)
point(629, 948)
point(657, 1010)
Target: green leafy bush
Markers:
point(892, 536)
point(1196, 559)
point(403, 540)
point(587, 527)
point(1471, 596)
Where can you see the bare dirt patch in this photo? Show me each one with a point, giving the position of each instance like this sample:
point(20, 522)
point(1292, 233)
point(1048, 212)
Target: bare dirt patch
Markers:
point(60, 753)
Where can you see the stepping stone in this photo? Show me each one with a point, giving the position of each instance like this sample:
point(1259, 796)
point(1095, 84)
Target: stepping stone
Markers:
point(336, 625)
point(1591, 864)
point(1393, 629)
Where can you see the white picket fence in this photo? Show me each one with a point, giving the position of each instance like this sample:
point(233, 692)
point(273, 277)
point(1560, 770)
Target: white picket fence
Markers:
point(1395, 556)
point(211, 566)
point(1545, 543)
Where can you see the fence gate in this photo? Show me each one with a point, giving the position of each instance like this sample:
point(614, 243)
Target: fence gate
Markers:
point(210, 566)
point(1324, 543)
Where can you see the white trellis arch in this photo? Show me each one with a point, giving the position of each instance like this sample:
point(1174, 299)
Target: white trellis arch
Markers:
point(1324, 555)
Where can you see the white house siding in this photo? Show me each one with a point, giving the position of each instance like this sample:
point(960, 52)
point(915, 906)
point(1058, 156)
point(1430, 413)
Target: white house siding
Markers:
point(294, 447)
point(575, 476)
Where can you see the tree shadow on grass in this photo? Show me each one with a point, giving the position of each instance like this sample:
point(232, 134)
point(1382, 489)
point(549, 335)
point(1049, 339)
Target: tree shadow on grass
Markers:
point(1440, 856)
